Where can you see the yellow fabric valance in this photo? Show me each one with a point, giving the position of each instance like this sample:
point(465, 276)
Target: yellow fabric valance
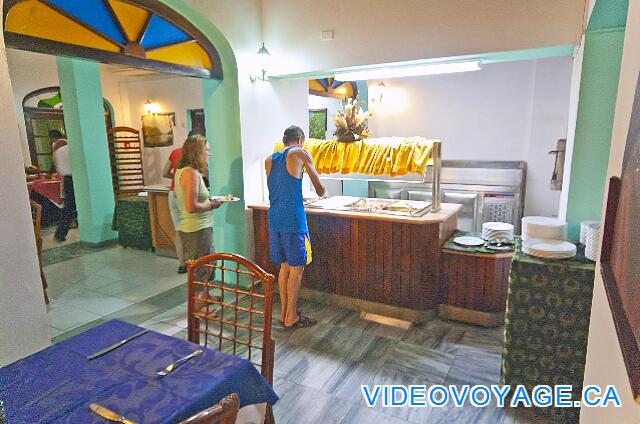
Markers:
point(392, 156)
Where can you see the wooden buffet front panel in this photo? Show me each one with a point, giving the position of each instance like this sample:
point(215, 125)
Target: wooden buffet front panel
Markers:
point(393, 261)
point(475, 286)
point(163, 234)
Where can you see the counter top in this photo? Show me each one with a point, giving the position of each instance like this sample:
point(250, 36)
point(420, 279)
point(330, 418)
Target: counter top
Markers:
point(156, 188)
point(446, 211)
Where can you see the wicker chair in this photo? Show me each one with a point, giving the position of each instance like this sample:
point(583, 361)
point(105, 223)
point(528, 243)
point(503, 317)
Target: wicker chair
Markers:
point(36, 216)
point(230, 307)
point(223, 412)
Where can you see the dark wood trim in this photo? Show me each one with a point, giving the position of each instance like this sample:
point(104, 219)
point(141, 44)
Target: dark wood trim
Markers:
point(615, 186)
point(145, 26)
point(39, 92)
point(44, 113)
point(31, 140)
point(626, 337)
point(24, 42)
point(107, 6)
point(81, 23)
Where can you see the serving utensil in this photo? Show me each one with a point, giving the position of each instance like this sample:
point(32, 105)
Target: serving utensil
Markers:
point(109, 414)
point(173, 365)
point(115, 345)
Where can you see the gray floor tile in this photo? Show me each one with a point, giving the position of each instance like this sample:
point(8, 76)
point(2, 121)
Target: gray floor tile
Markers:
point(428, 365)
point(364, 415)
point(65, 317)
point(303, 405)
point(467, 415)
point(474, 366)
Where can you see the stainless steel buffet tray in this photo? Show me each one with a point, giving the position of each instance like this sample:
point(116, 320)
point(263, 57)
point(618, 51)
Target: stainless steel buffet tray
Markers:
point(384, 206)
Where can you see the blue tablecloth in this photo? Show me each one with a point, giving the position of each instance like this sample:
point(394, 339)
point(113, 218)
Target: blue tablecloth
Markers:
point(57, 385)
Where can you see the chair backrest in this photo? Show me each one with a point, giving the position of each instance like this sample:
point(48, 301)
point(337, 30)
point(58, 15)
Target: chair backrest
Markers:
point(230, 307)
point(36, 216)
point(222, 412)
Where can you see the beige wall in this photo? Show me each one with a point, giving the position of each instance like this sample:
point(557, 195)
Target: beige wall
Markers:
point(23, 323)
point(604, 357)
point(380, 31)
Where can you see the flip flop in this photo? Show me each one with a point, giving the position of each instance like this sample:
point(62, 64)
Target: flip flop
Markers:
point(282, 322)
point(303, 322)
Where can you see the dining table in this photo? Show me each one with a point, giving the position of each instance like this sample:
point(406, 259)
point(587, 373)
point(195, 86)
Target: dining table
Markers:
point(47, 187)
point(59, 383)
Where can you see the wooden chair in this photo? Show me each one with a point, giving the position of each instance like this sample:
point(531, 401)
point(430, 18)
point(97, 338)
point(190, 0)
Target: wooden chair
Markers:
point(36, 216)
point(230, 307)
point(223, 412)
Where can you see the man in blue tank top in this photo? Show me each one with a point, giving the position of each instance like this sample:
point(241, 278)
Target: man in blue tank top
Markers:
point(288, 233)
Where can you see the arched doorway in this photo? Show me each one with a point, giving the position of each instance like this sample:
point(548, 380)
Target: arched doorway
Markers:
point(43, 112)
point(165, 35)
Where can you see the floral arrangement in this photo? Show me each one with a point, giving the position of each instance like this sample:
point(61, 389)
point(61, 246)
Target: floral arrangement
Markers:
point(351, 122)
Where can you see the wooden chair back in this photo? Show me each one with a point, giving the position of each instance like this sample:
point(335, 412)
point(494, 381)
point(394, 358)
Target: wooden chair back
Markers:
point(36, 217)
point(230, 307)
point(223, 412)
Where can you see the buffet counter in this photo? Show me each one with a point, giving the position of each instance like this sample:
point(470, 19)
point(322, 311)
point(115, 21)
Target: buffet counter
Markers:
point(163, 233)
point(365, 259)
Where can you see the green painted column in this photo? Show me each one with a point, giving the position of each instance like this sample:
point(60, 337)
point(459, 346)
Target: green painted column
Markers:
point(598, 92)
point(88, 150)
point(222, 120)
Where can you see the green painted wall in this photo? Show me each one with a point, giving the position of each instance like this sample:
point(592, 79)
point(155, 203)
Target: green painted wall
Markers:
point(603, 45)
point(88, 151)
point(222, 119)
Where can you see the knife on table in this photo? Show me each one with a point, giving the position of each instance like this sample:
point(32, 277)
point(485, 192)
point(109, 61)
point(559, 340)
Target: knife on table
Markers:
point(115, 346)
point(109, 414)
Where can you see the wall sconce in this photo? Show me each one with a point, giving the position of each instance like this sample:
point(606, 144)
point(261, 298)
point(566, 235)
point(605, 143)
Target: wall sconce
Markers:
point(262, 60)
point(378, 92)
point(151, 108)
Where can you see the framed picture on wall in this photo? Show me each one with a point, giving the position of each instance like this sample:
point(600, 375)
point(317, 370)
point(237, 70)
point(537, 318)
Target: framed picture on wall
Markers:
point(619, 263)
point(318, 123)
point(157, 129)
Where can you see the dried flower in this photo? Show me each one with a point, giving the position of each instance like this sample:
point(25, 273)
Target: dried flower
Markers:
point(351, 121)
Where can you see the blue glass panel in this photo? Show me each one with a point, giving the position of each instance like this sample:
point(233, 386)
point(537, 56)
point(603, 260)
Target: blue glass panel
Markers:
point(92, 13)
point(162, 33)
point(324, 82)
point(337, 83)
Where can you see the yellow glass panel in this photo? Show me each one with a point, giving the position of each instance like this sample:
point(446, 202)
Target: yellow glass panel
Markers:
point(316, 86)
point(131, 17)
point(34, 19)
point(189, 54)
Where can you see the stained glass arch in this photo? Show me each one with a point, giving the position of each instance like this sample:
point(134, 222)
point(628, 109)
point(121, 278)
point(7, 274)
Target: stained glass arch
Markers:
point(139, 33)
point(330, 87)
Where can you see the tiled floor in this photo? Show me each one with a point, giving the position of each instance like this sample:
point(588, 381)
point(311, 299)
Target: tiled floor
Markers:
point(318, 371)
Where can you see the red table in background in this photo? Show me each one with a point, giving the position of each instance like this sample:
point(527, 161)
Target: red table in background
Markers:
point(49, 188)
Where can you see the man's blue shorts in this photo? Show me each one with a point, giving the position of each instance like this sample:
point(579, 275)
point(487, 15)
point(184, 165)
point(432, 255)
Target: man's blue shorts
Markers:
point(292, 248)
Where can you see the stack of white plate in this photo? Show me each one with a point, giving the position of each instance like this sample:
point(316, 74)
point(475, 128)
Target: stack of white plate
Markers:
point(592, 240)
point(542, 227)
point(584, 225)
point(497, 230)
point(549, 249)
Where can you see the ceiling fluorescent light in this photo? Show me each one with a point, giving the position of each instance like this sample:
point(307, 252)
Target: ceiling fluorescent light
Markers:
point(408, 71)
